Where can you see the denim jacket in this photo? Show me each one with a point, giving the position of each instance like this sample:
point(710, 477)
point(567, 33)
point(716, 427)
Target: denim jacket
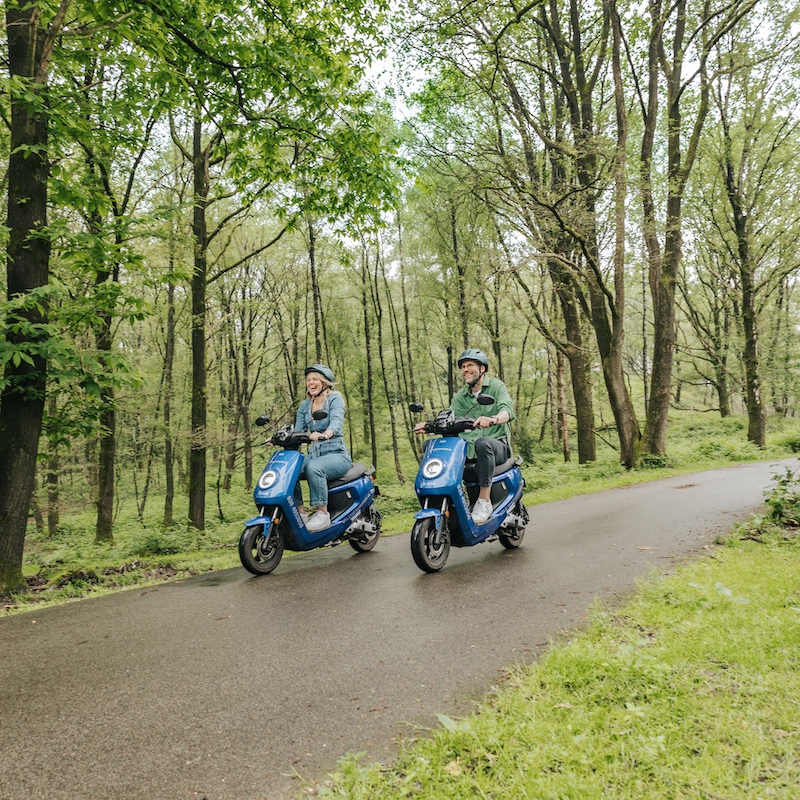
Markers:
point(334, 407)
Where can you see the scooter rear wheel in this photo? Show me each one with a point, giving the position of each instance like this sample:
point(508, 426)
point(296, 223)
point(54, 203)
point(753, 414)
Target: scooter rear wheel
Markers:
point(260, 554)
point(365, 542)
point(511, 539)
point(429, 547)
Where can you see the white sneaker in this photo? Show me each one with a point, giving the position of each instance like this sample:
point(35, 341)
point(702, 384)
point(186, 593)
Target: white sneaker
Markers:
point(481, 511)
point(319, 521)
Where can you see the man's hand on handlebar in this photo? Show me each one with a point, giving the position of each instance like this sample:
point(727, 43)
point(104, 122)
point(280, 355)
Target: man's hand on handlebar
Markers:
point(485, 422)
point(420, 427)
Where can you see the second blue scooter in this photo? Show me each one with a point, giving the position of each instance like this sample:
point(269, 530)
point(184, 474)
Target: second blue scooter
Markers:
point(447, 487)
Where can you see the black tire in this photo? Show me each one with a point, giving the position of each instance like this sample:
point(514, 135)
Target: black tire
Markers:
point(429, 547)
point(511, 539)
point(364, 542)
point(259, 554)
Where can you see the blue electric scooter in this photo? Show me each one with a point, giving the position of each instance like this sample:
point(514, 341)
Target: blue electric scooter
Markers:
point(280, 527)
point(447, 487)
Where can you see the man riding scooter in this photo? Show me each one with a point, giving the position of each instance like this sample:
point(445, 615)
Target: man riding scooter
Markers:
point(488, 443)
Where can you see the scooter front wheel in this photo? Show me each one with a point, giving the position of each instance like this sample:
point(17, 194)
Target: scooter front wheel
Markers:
point(260, 554)
point(429, 547)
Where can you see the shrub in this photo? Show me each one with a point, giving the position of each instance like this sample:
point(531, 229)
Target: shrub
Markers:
point(783, 498)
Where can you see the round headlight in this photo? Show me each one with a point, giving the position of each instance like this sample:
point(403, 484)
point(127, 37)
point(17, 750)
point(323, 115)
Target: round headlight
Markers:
point(433, 468)
point(267, 479)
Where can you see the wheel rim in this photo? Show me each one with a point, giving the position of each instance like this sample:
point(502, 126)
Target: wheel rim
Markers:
point(435, 542)
point(429, 546)
point(264, 547)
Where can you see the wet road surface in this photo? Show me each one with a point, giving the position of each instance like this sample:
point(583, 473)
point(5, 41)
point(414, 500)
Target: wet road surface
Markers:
point(231, 687)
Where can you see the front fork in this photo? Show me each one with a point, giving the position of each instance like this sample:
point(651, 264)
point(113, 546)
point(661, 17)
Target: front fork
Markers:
point(439, 535)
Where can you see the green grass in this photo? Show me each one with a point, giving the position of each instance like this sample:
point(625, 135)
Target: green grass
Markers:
point(70, 566)
point(689, 691)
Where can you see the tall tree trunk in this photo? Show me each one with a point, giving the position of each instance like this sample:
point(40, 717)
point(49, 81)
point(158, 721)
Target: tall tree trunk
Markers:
point(370, 393)
point(104, 527)
point(756, 428)
point(461, 289)
point(320, 339)
point(563, 417)
point(169, 358)
point(680, 157)
point(27, 269)
point(390, 403)
point(198, 449)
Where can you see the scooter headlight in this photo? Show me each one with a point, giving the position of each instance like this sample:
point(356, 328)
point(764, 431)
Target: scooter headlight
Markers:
point(267, 479)
point(433, 468)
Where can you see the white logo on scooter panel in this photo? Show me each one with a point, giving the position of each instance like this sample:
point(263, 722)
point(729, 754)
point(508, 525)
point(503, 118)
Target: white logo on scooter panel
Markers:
point(433, 468)
point(267, 479)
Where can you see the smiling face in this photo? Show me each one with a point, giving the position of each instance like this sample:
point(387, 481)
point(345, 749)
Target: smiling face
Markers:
point(315, 383)
point(470, 371)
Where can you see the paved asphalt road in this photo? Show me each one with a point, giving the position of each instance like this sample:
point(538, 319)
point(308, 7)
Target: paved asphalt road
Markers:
point(230, 687)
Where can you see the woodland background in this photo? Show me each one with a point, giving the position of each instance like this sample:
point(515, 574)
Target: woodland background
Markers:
point(202, 198)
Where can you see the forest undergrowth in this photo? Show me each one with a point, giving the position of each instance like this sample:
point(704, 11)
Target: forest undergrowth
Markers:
point(70, 565)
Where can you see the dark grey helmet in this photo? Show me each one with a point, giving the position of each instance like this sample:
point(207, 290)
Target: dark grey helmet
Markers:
point(474, 355)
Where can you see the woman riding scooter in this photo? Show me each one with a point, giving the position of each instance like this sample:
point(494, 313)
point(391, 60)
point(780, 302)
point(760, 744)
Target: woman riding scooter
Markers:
point(328, 457)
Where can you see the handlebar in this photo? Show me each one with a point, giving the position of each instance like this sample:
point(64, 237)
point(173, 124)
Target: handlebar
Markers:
point(287, 438)
point(445, 423)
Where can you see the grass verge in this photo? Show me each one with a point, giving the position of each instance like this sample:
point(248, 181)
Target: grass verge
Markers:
point(689, 691)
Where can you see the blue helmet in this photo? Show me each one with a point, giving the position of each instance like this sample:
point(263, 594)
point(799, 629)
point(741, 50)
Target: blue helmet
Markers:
point(474, 355)
point(323, 370)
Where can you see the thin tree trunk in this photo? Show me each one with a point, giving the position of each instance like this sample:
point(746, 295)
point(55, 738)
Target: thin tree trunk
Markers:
point(198, 448)
point(563, 417)
point(389, 398)
point(460, 277)
point(169, 358)
point(319, 321)
point(53, 473)
point(370, 396)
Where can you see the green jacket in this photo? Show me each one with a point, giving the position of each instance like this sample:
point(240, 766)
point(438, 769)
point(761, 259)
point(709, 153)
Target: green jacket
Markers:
point(465, 404)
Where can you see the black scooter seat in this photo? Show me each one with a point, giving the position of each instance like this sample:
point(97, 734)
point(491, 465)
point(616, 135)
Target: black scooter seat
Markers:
point(356, 471)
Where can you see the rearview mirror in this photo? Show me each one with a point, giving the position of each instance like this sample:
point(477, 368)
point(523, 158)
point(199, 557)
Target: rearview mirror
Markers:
point(262, 420)
point(319, 414)
point(485, 399)
point(416, 408)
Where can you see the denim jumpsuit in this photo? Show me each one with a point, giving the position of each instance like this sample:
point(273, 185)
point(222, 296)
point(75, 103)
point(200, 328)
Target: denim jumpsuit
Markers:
point(326, 460)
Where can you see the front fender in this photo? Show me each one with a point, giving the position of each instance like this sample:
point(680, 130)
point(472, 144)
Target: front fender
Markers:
point(427, 513)
point(260, 521)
